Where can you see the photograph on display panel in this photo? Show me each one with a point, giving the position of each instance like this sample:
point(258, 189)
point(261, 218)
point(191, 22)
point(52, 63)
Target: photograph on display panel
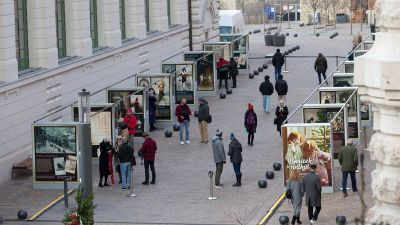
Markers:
point(327, 97)
point(205, 69)
point(162, 89)
point(143, 82)
point(338, 130)
point(220, 50)
point(364, 109)
point(239, 48)
point(342, 81)
point(303, 145)
point(184, 83)
point(314, 115)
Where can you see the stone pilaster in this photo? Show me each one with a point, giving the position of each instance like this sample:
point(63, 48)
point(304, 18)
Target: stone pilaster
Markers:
point(108, 23)
point(8, 61)
point(135, 23)
point(179, 12)
point(77, 16)
point(42, 34)
point(158, 15)
point(376, 74)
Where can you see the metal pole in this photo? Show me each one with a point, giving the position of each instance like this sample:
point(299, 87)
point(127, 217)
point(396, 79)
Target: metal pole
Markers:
point(212, 197)
point(263, 16)
point(351, 17)
point(285, 70)
point(66, 191)
point(288, 5)
point(131, 190)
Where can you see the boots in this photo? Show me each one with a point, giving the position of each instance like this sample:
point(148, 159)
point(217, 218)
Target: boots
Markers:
point(298, 220)
point(294, 219)
point(238, 181)
point(153, 180)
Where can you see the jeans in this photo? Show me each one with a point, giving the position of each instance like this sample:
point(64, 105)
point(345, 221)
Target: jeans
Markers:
point(278, 70)
point(218, 172)
point(311, 215)
point(185, 125)
point(150, 164)
point(319, 76)
point(126, 174)
point(236, 168)
point(266, 102)
point(353, 180)
point(203, 125)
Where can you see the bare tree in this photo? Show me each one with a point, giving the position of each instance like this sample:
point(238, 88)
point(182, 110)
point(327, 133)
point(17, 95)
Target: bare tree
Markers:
point(335, 5)
point(312, 4)
point(325, 5)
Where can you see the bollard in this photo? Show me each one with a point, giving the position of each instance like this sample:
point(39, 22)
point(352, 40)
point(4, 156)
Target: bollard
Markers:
point(66, 191)
point(212, 197)
point(131, 189)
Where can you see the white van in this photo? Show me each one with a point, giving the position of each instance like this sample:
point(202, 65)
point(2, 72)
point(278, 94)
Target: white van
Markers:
point(231, 22)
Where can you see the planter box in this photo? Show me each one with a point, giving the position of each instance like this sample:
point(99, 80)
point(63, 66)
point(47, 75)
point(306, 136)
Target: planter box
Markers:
point(278, 40)
point(268, 40)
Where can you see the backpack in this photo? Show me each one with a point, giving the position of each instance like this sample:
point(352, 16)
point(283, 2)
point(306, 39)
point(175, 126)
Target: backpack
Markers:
point(289, 194)
point(250, 120)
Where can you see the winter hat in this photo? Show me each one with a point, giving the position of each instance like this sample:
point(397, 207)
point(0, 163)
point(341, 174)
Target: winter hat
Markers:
point(218, 133)
point(232, 137)
point(129, 110)
point(202, 100)
point(250, 106)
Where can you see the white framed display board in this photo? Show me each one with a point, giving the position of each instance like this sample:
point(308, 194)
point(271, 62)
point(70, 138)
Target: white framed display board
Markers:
point(241, 50)
point(343, 79)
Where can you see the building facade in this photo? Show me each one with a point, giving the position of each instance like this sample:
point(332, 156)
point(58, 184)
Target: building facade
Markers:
point(51, 49)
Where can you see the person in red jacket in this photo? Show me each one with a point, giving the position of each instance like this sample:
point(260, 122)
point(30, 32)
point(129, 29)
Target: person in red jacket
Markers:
point(131, 121)
point(182, 112)
point(148, 152)
point(223, 71)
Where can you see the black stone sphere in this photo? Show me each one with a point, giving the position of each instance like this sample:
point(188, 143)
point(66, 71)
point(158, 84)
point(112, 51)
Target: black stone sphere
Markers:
point(287, 34)
point(260, 69)
point(262, 184)
point(176, 127)
point(286, 53)
point(340, 220)
point(228, 91)
point(294, 35)
point(297, 47)
point(222, 96)
point(22, 215)
point(168, 133)
point(196, 113)
point(255, 72)
point(250, 32)
point(251, 76)
point(317, 34)
point(284, 220)
point(290, 51)
point(270, 174)
point(277, 166)
point(265, 66)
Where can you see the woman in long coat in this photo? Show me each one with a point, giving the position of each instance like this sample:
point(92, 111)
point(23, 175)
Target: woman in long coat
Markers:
point(281, 113)
point(250, 123)
point(152, 108)
point(104, 170)
point(294, 185)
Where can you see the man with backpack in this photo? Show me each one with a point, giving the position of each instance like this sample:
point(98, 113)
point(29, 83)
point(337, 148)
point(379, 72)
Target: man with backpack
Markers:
point(281, 88)
point(266, 89)
point(277, 61)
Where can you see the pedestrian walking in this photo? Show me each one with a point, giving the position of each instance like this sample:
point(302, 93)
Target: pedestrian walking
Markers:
point(131, 122)
point(281, 114)
point(294, 185)
point(182, 112)
point(348, 160)
point(233, 71)
point(148, 152)
point(320, 66)
point(250, 123)
point(281, 88)
point(127, 160)
point(267, 89)
point(223, 71)
point(203, 116)
point(104, 169)
point(277, 61)
point(311, 185)
point(152, 108)
point(219, 157)
point(235, 153)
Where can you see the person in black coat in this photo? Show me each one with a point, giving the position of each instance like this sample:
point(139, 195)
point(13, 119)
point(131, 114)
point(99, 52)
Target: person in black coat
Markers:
point(281, 88)
point(266, 89)
point(281, 113)
point(233, 71)
point(320, 66)
point(250, 123)
point(104, 170)
point(277, 61)
point(235, 152)
point(152, 108)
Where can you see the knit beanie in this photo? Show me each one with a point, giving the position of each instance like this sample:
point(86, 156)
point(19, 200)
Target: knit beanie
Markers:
point(232, 137)
point(218, 133)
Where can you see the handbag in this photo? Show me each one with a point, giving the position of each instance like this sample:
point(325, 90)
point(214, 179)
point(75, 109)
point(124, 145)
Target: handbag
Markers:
point(276, 121)
point(133, 163)
point(209, 119)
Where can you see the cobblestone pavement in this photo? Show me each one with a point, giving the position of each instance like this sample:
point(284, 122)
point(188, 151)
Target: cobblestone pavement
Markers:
point(180, 195)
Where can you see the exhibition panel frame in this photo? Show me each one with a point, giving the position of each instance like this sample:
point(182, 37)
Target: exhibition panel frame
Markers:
point(348, 66)
point(343, 79)
point(368, 45)
point(303, 144)
point(240, 49)
point(163, 86)
point(358, 53)
point(220, 49)
point(206, 71)
point(137, 103)
point(55, 148)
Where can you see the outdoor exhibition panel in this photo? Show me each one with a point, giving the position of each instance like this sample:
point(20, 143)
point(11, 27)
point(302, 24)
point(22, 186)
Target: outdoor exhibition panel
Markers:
point(331, 95)
point(134, 99)
point(163, 87)
point(348, 67)
point(343, 79)
point(359, 53)
point(220, 49)
point(55, 151)
point(336, 115)
point(304, 144)
point(240, 48)
point(101, 124)
point(183, 75)
point(368, 45)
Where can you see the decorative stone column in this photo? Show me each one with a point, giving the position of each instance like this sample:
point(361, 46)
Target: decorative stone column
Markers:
point(377, 75)
point(108, 23)
point(8, 60)
point(135, 23)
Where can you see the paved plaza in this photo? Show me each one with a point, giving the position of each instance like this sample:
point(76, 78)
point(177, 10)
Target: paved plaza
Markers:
point(180, 195)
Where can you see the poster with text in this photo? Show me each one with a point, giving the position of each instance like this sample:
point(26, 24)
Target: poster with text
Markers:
point(205, 69)
point(239, 48)
point(306, 144)
point(163, 95)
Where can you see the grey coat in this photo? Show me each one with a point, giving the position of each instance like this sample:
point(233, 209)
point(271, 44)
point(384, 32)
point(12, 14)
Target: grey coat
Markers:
point(235, 151)
point(297, 195)
point(312, 187)
point(218, 150)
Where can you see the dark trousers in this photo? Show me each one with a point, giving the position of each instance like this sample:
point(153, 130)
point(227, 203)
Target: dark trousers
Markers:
point(278, 71)
point(226, 82)
point(319, 76)
point(234, 81)
point(313, 215)
point(250, 138)
point(150, 164)
point(345, 174)
point(218, 172)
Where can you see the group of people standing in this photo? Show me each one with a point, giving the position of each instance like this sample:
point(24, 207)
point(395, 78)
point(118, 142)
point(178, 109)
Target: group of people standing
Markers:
point(227, 70)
